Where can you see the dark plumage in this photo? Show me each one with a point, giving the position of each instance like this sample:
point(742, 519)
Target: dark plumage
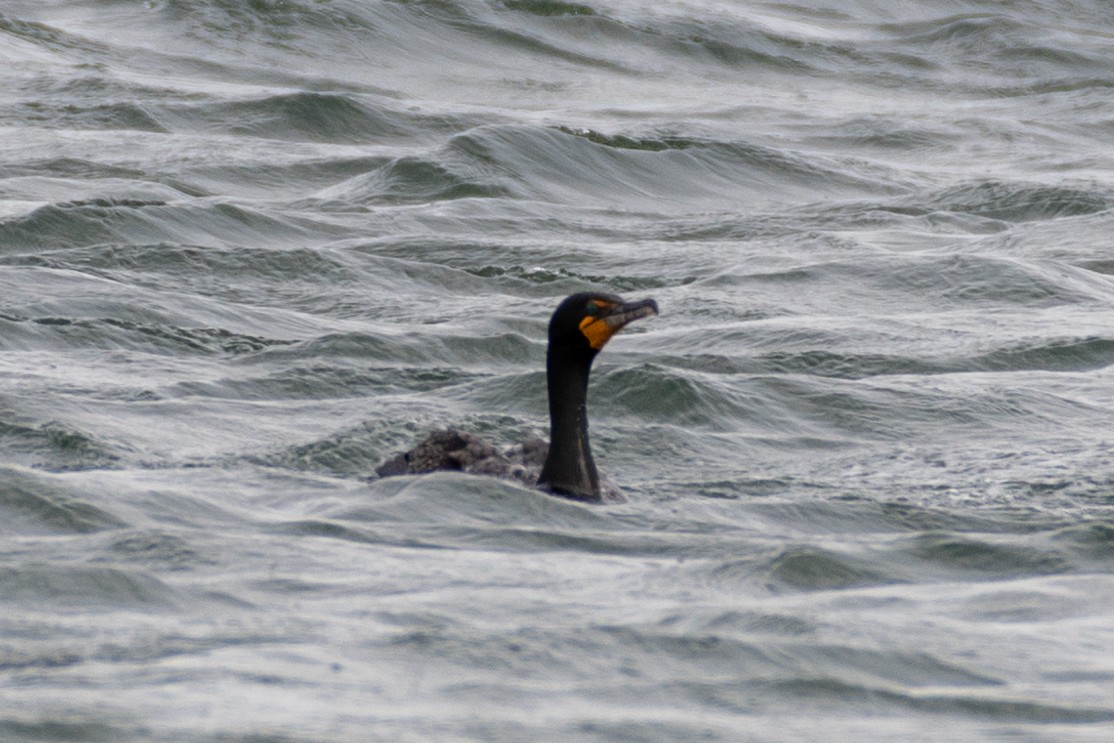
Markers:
point(581, 326)
point(451, 449)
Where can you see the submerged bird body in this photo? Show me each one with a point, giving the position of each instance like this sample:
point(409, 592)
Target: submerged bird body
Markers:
point(455, 450)
point(579, 328)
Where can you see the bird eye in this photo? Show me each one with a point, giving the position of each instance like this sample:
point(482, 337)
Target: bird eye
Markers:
point(592, 309)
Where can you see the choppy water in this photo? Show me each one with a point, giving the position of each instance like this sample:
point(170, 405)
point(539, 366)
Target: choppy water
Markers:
point(248, 250)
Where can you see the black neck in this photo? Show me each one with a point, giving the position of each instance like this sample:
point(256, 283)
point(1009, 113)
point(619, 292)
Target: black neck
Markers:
point(569, 468)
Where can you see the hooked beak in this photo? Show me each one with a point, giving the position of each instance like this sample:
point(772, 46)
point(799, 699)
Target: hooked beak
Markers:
point(598, 330)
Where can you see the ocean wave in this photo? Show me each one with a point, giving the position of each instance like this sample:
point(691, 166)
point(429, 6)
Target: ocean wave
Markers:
point(110, 220)
point(35, 503)
point(249, 251)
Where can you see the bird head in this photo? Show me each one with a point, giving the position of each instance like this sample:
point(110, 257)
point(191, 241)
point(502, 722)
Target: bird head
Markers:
point(585, 322)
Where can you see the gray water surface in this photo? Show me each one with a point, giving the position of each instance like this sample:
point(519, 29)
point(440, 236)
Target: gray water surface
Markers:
point(250, 250)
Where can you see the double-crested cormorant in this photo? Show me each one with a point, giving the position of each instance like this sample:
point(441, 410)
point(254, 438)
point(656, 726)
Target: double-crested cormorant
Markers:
point(581, 326)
